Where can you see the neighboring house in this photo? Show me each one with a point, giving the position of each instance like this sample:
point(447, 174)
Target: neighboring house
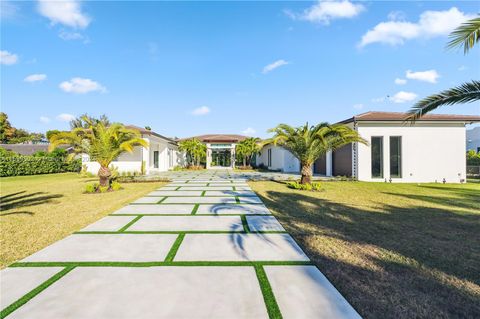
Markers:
point(473, 139)
point(432, 149)
point(161, 155)
point(30, 148)
point(220, 149)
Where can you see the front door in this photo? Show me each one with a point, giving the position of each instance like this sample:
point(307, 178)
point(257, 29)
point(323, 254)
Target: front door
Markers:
point(155, 159)
point(221, 157)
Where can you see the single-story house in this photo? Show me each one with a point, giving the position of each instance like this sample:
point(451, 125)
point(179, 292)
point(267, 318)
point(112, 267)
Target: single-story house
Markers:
point(220, 149)
point(430, 150)
point(161, 155)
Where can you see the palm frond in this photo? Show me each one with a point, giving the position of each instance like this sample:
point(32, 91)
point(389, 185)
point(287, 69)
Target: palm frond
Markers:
point(466, 35)
point(465, 93)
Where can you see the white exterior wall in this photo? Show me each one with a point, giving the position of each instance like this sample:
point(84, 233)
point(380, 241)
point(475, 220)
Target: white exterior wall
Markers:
point(282, 159)
point(430, 151)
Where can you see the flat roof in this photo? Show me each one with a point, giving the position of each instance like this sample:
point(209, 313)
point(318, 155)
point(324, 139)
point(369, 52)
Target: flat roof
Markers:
point(402, 116)
point(218, 138)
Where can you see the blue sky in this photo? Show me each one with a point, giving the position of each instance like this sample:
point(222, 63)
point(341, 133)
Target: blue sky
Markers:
point(188, 68)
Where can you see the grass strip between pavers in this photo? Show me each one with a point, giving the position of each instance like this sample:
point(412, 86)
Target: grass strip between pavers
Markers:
point(159, 202)
point(158, 263)
point(245, 223)
point(159, 232)
point(195, 209)
point(268, 296)
point(173, 251)
point(27, 297)
point(133, 221)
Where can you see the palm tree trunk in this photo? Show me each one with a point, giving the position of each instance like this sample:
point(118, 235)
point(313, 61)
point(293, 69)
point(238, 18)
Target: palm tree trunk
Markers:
point(306, 171)
point(104, 174)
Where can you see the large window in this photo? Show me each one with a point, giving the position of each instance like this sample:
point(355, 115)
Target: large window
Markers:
point(377, 156)
point(155, 159)
point(396, 156)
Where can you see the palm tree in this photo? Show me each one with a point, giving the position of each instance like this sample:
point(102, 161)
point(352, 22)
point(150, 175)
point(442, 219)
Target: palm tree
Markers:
point(252, 147)
point(241, 151)
point(195, 150)
point(101, 142)
point(466, 36)
point(308, 143)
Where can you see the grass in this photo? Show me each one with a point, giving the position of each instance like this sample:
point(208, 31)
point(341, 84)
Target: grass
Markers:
point(393, 250)
point(39, 210)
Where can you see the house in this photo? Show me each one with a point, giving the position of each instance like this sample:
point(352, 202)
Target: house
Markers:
point(430, 150)
point(473, 139)
point(161, 155)
point(220, 149)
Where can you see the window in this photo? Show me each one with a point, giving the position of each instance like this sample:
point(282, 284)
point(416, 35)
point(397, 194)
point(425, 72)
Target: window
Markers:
point(269, 157)
point(377, 156)
point(155, 159)
point(396, 156)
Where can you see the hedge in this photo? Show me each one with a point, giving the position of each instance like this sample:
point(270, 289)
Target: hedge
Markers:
point(30, 165)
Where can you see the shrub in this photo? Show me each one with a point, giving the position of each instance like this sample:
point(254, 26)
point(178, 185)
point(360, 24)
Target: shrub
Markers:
point(103, 189)
point(115, 186)
point(30, 165)
point(91, 188)
point(473, 158)
point(246, 167)
point(305, 187)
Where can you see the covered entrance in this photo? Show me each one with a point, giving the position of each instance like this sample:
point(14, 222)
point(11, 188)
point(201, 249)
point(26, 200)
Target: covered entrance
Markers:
point(221, 158)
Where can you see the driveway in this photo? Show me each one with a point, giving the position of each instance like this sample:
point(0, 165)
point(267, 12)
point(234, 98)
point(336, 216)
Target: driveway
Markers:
point(203, 246)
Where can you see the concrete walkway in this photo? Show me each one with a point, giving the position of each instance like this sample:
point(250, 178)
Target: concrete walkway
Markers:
point(203, 246)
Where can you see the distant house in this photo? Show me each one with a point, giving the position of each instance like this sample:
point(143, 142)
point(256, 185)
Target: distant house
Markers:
point(161, 155)
point(432, 149)
point(473, 139)
point(29, 148)
point(220, 149)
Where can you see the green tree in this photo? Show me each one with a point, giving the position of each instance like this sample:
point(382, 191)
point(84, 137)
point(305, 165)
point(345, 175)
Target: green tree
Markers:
point(465, 36)
point(101, 142)
point(308, 143)
point(247, 148)
point(195, 150)
point(49, 133)
point(6, 129)
point(84, 120)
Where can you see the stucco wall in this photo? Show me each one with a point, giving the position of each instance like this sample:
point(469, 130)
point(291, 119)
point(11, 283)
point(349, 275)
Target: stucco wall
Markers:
point(430, 152)
point(282, 159)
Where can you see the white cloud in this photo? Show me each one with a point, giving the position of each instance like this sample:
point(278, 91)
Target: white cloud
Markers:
point(44, 119)
point(358, 106)
point(462, 68)
point(400, 81)
point(81, 86)
point(378, 100)
point(65, 117)
point(202, 110)
point(402, 97)
point(35, 78)
point(69, 36)
point(249, 131)
point(273, 66)
point(430, 76)
point(325, 11)
point(8, 58)
point(430, 24)
point(66, 12)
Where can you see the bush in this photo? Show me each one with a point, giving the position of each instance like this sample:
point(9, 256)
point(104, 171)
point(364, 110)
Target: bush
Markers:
point(91, 188)
point(473, 158)
point(115, 186)
point(30, 165)
point(96, 188)
point(305, 187)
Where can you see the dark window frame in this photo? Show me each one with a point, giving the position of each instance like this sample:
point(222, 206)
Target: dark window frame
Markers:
point(156, 159)
point(381, 175)
point(399, 155)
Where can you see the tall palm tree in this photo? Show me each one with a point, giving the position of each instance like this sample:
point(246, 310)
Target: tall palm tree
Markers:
point(466, 36)
point(308, 143)
point(195, 150)
point(102, 143)
point(241, 151)
point(247, 148)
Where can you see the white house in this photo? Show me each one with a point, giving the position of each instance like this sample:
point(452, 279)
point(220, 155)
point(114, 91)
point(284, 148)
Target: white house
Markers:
point(432, 149)
point(161, 155)
point(473, 139)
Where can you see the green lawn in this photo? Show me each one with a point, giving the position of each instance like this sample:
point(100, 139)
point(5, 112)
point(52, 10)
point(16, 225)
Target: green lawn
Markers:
point(39, 210)
point(393, 250)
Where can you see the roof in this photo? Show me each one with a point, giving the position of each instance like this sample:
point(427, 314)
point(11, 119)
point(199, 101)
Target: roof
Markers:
point(218, 138)
point(29, 149)
point(400, 116)
point(144, 131)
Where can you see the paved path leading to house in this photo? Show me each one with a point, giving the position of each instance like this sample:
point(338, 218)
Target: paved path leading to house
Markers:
point(203, 246)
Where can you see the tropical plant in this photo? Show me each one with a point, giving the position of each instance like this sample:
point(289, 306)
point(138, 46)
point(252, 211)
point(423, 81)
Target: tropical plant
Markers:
point(85, 120)
point(308, 143)
point(247, 148)
point(101, 142)
point(195, 150)
point(465, 36)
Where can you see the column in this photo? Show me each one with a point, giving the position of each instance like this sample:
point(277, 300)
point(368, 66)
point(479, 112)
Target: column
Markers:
point(232, 161)
point(329, 163)
point(146, 156)
point(209, 156)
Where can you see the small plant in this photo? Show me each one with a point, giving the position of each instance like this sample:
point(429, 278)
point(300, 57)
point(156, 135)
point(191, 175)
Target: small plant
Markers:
point(91, 188)
point(177, 168)
point(305, 187)
point(115, 186)
point(103, 189)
